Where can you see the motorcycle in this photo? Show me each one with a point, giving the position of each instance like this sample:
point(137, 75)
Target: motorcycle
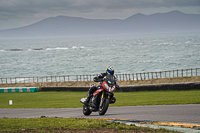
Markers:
point(104, 96)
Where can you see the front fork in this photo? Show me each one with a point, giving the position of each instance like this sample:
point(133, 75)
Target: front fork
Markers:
point(102, 98)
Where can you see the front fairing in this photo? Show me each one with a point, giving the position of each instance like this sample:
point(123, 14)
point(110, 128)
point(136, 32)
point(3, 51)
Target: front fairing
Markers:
point(108, 87)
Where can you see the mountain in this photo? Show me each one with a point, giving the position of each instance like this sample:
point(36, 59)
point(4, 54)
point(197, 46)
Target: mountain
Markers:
point(62, 26)
point(170, 22)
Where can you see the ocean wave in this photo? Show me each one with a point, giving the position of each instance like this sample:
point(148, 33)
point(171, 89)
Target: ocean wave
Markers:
point(76, 47)
point(61, 48)
point(58, 48)
point(38, 49)
point(12, 50)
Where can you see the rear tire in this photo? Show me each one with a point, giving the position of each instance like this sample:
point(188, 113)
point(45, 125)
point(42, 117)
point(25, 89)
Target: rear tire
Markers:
point(86, 110)
point(104, 108)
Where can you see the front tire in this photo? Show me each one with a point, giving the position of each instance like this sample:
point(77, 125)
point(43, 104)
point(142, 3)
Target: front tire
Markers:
point(86, 110)
point(104, 107)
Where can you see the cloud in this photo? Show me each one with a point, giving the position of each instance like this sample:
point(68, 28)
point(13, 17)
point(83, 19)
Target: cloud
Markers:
point(35, 6)
point(33, 10)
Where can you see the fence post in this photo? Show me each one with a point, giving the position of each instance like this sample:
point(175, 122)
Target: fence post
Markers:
point(196, 71)
point(136, 76)
point(182, 72)
point(186, 72)
point(191, 72)
point(178, 73)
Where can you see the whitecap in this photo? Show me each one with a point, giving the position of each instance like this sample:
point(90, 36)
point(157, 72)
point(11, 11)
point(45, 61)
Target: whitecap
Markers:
point(49, 48)
point(59, 48)
point(74, 47)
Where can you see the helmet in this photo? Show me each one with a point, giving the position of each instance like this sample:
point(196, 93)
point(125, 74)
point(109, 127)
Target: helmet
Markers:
point(110, 70)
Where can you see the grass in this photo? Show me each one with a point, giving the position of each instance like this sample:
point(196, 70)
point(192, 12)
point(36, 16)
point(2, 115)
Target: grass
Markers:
point(157, 98)
point(72, 99)
point(67, 124)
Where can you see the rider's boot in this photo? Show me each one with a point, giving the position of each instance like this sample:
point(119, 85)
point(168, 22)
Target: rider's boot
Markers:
point(87, 100)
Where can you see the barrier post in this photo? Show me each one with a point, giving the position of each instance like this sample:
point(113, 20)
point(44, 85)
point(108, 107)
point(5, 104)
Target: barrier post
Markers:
point(191, 72)
point(196, 71)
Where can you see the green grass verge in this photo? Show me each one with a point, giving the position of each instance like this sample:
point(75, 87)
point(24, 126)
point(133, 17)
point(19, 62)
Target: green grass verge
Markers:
point(72, 99)
point(67, 124)
point(158, 98)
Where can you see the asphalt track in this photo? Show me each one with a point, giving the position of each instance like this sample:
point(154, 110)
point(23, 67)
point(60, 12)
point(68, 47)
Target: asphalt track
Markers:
point(165, 113)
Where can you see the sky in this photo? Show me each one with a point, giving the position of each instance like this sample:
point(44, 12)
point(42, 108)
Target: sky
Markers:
point(19, 13)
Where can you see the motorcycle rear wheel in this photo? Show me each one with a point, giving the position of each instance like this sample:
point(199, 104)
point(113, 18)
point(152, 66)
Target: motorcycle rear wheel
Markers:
point(104, 107)
point(86, 110)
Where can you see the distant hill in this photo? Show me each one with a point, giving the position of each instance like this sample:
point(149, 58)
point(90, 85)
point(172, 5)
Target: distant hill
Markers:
point(62, 26)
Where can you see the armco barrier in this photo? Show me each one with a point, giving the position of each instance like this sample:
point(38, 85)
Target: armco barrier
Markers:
point(19, 89)
point(132, 88)
point(157, 87)
point(64, 88)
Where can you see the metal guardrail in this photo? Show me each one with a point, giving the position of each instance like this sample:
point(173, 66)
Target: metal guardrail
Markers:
point(121, 77)
point(161, 74)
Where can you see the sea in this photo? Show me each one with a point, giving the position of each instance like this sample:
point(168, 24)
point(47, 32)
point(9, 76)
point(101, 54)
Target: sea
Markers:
point(93, 54)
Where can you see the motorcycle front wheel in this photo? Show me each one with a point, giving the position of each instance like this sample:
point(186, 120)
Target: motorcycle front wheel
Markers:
point(86, 110)
point(104, 107)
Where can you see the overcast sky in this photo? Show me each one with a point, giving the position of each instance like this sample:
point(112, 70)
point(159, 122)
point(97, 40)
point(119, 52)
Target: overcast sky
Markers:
point(18, 13)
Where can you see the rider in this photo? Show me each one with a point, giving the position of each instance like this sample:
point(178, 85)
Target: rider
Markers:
point(109, 70)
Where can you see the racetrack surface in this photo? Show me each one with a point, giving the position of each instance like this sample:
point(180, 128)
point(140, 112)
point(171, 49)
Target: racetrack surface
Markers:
point(172, 113)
